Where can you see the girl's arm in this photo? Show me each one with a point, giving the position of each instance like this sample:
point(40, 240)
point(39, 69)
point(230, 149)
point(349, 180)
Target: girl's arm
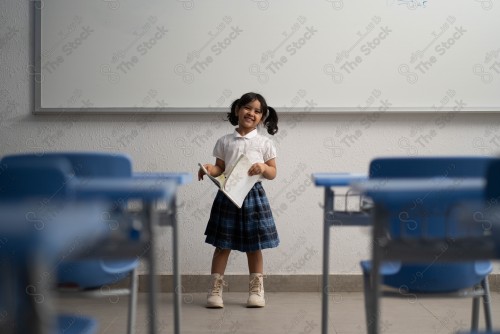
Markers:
point(214, 170)
point(267, 169)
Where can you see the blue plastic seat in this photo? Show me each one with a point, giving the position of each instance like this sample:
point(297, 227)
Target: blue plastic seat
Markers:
point(73, 324)
point(438, 278)
point(91, 274)
point(408, 222)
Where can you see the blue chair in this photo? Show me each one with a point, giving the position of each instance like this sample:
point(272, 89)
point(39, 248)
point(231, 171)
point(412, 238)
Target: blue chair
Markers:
point(424, 219)
point(36, 203)
point(88, 275)
point(492, 200)
point(492, 193)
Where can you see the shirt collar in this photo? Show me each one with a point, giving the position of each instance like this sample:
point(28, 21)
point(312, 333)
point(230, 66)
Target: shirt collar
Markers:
point(249, 135)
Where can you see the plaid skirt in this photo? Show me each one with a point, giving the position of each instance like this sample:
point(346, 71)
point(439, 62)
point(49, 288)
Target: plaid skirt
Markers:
point(247, 229)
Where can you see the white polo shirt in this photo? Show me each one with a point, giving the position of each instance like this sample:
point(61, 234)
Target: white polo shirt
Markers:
point(256, 147)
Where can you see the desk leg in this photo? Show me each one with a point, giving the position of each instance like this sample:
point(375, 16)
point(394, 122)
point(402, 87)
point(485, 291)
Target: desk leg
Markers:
point(375, 279)
point(38, 316)
point(177, 274)
point(327, 216)
point(152, 226)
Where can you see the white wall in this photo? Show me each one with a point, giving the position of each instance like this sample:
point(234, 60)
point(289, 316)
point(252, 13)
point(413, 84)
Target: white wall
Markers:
point(306, 144)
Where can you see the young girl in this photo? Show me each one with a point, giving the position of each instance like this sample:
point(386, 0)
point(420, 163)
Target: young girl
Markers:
point(251, 228)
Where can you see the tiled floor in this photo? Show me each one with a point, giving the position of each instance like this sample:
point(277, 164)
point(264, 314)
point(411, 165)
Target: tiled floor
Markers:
point(285, 313)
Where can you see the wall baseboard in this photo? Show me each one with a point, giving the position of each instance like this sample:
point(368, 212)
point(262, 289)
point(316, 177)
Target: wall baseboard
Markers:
point(273, 283)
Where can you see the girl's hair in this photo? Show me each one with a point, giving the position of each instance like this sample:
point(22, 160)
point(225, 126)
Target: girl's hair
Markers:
point(269, 114)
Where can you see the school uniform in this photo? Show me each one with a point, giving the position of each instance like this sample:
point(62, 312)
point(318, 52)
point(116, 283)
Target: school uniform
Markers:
point(252, 227)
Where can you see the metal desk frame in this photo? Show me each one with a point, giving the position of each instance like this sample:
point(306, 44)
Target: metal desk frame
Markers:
point(334, 218)
point(165, 218)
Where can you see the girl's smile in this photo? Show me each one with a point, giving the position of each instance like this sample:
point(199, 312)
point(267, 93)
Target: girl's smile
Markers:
point(249, 116)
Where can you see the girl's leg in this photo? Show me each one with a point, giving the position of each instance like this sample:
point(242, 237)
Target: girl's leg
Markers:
point(255, 262)
point(256, 286)
point(219, 262)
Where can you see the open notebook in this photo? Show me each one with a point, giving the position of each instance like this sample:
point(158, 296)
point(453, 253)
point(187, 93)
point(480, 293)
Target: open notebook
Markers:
point(237, 183)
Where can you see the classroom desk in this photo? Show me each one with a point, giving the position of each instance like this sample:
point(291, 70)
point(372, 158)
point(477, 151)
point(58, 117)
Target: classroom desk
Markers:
point(334, 218)
point(463, 239)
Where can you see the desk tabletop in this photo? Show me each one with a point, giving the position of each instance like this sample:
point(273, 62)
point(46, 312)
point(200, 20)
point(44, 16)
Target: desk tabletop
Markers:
point(337, 179)
point(398, 190)
point(124, 188)
point(180, 177)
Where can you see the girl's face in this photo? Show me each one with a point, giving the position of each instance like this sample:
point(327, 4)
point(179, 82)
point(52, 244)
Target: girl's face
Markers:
point(249, 116)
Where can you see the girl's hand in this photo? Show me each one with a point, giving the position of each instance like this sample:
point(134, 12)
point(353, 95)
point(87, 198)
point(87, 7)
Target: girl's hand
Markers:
point(213, 170)
point(267, 169)
point(257, 168)
point(209, 169)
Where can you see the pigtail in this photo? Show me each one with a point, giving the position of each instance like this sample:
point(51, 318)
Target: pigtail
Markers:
point(271, 121)
point(231, 116)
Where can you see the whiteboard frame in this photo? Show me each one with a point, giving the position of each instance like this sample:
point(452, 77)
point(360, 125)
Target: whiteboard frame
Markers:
point(38, 109)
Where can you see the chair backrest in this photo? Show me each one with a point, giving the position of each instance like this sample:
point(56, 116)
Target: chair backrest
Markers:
point(84, 164)
point(20, 180)
point(424, 167)
point(422, 218)
point(492, 192)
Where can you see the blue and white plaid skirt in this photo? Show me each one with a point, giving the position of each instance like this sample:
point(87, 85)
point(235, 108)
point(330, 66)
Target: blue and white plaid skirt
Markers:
point(247, 229)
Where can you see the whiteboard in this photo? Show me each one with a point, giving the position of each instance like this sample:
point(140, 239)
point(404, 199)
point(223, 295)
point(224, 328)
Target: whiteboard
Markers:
point(190, 56)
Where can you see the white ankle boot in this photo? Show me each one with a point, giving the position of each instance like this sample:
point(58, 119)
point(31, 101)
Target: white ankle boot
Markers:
point(256, 291)
point(214, 297)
